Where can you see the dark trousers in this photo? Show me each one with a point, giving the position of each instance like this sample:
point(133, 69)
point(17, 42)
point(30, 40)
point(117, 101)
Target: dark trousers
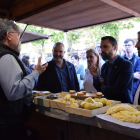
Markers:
point(17, 132)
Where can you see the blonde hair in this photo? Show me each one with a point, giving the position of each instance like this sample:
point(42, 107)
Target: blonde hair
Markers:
point(98, 62)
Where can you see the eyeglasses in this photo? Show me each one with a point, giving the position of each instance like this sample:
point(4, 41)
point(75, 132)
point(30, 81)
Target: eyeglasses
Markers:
point(127, 45)
point(17, 33)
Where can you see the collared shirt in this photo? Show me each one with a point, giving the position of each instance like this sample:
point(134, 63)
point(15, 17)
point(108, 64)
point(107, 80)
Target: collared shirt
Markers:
point(132, 60)
point(63, 77)
point(109, 68)
point(11, 80)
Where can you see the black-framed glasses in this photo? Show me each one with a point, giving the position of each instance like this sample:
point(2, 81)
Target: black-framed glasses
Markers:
point(127, 45)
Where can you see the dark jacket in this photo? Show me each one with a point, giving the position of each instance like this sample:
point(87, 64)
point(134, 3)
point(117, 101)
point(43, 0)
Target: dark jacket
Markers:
point(121, 81)
point(49, 81)
point(136, 81)
point(135, 58)
point(136, 63)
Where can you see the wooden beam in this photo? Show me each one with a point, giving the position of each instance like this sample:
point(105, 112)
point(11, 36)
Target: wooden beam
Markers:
point(20, 7)
point(4, 11)
point(27, 8)
point(121, 7)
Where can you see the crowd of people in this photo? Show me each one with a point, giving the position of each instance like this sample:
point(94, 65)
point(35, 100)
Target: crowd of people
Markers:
point(101, 69)
point(89, 66)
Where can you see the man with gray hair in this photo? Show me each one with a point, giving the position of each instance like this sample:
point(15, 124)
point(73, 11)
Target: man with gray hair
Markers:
point(60, 74)
point(15, 86)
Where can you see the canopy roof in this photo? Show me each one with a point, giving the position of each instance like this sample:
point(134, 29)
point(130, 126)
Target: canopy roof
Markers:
point(29, 36)
point(68, 15)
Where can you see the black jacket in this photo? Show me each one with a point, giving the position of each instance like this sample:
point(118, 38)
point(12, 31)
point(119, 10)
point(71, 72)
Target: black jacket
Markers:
point(48, 80)
point(121, 81)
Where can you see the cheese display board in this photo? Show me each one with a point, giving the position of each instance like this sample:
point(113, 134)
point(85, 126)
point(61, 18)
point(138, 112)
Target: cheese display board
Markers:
point(58, 105)
point(90, 113)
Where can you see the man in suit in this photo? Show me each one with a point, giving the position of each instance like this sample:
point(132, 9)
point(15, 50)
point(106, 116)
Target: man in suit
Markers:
point(60, 74)
point(116, 74)
point(137, 93)
point(129, 45)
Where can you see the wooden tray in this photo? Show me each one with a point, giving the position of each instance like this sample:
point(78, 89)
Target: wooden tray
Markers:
point(40, 100)
point(90, 113)
point(92, 95)
point(58, 105)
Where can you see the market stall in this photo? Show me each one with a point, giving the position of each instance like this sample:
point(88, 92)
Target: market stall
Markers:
point(53, 123)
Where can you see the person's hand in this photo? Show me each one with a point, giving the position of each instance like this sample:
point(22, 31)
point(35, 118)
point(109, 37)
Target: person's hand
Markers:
point(102, 82)
point(137, 75)
point(40, 68)
point(93, 71)
point(32, 68)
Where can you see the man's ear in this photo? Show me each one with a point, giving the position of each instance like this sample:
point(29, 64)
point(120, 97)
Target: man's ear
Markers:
point(8, 36)
point(115, 47)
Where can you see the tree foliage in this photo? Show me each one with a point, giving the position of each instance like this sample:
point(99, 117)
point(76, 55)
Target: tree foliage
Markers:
point(87, 36)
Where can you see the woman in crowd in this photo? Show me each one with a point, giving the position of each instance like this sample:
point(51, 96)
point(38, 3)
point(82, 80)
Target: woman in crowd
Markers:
point(93, 60)
point(79, 68)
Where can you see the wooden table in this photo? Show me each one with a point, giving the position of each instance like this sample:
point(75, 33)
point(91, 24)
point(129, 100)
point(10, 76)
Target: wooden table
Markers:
point(55, 124)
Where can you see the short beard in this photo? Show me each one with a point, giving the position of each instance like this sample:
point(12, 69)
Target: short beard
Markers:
point(107, 56)
point(58, 60)
point(19, 47)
